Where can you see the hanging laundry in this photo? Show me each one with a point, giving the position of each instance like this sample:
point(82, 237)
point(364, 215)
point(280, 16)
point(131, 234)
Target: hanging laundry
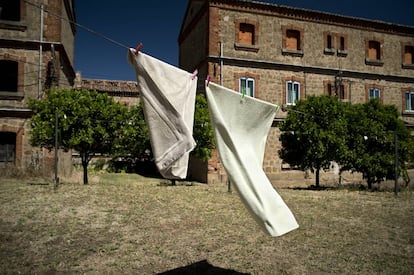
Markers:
point(241, 125)
point(168, 98)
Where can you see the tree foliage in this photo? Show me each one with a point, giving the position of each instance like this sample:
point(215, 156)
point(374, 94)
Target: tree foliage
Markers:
point(203, 130)
point(313, 134)
point(359, 137)
point(372, 129)
point(88, 122)
point(133, 144)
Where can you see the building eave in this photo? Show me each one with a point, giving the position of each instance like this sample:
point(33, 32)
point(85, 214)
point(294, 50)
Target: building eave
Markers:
point(313, 16)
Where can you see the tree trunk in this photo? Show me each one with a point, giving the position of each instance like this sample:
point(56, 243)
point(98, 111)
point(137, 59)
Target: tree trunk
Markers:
point(85, 161)
point(317, 178)
point(369, 182)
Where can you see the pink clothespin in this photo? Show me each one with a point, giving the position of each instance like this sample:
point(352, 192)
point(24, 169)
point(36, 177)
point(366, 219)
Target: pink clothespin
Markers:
point(195, 73)
point(138, 48)
point(208, 79)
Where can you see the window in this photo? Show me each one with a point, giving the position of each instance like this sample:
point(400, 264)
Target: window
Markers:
point(10, 10)
point(374, 93)
point(7, 148)
point(246, 34)
point(341, 91)
point(246, 37)
point(329, 41)
point(342, 43)
point(292, 92)
point(373, 52)
point(8, 76)
point(335, 43)
point(246, 86)
point(292, 41)
point(408, 58)
point(330, 89)
point(409, 101)
point(338, 89)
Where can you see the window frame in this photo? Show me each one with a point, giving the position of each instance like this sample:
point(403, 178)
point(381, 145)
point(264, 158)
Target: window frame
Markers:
point(10, 83)
point(411, 93)
point(378, 61)
point(343, 89)
point(404, 47)
point(342, 44)
point(19, 94)
point(16, 25)
point(254, 47)
point(246, 28)
point(298, 95)
point(376, 93)
point(7, 156)
point(329, 43)
point(13, 11)
point(248, 80)
point(298, 52)
point(369, 87)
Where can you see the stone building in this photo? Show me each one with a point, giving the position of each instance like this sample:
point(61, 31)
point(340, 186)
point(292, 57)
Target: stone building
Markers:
point(36, 53)
point(125, 92)
point(281, 54)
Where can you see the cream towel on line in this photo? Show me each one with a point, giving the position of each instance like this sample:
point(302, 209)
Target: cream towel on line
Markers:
point(241, 126)
point(168, 97)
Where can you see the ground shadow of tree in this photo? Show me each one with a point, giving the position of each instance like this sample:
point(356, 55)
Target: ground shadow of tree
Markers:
point(201, 268)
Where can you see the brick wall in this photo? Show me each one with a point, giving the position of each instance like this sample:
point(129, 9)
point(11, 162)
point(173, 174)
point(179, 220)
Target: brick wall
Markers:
point(20, 44)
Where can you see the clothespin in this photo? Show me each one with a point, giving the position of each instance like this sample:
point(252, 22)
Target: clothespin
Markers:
point(208, 79)
point(195, 73)
point(138, 48)
point(277, 105)
point(243, 93)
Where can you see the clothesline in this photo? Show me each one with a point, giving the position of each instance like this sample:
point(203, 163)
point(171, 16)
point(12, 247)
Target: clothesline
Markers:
point(79, 25)
point(100, 35)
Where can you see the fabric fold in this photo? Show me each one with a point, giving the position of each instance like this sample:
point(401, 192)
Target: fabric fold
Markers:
point(168, 98)
point(241, 125)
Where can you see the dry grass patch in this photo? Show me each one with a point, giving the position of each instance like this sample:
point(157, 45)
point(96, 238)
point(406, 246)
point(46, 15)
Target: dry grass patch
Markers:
point(130, 224)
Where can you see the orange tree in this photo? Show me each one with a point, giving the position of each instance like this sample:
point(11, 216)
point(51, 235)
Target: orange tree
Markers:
point(89, 123)
point(313, 134)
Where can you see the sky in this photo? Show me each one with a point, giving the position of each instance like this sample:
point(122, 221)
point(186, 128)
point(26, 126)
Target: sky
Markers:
point(156, 24)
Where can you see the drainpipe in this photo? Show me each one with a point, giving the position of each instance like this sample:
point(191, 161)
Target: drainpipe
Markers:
point(221, 63)
point(39, 76)
point(221, 83)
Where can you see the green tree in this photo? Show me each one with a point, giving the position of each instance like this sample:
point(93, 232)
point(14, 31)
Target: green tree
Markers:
point(133, 143)
point(203, 130)
point(88, 123)
point(313, 134)
point(372, 128)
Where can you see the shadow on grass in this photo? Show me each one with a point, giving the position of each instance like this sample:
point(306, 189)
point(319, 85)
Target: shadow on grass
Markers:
point(314, 188)
point(352, 187)
point(201, 268)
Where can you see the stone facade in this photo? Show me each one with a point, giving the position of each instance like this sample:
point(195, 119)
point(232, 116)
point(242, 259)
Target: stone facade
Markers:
point(320, 52)
point(36, 53)
point(125, 92)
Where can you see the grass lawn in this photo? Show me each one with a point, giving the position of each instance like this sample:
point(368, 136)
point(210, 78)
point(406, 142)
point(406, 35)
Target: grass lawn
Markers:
point(128, 224)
